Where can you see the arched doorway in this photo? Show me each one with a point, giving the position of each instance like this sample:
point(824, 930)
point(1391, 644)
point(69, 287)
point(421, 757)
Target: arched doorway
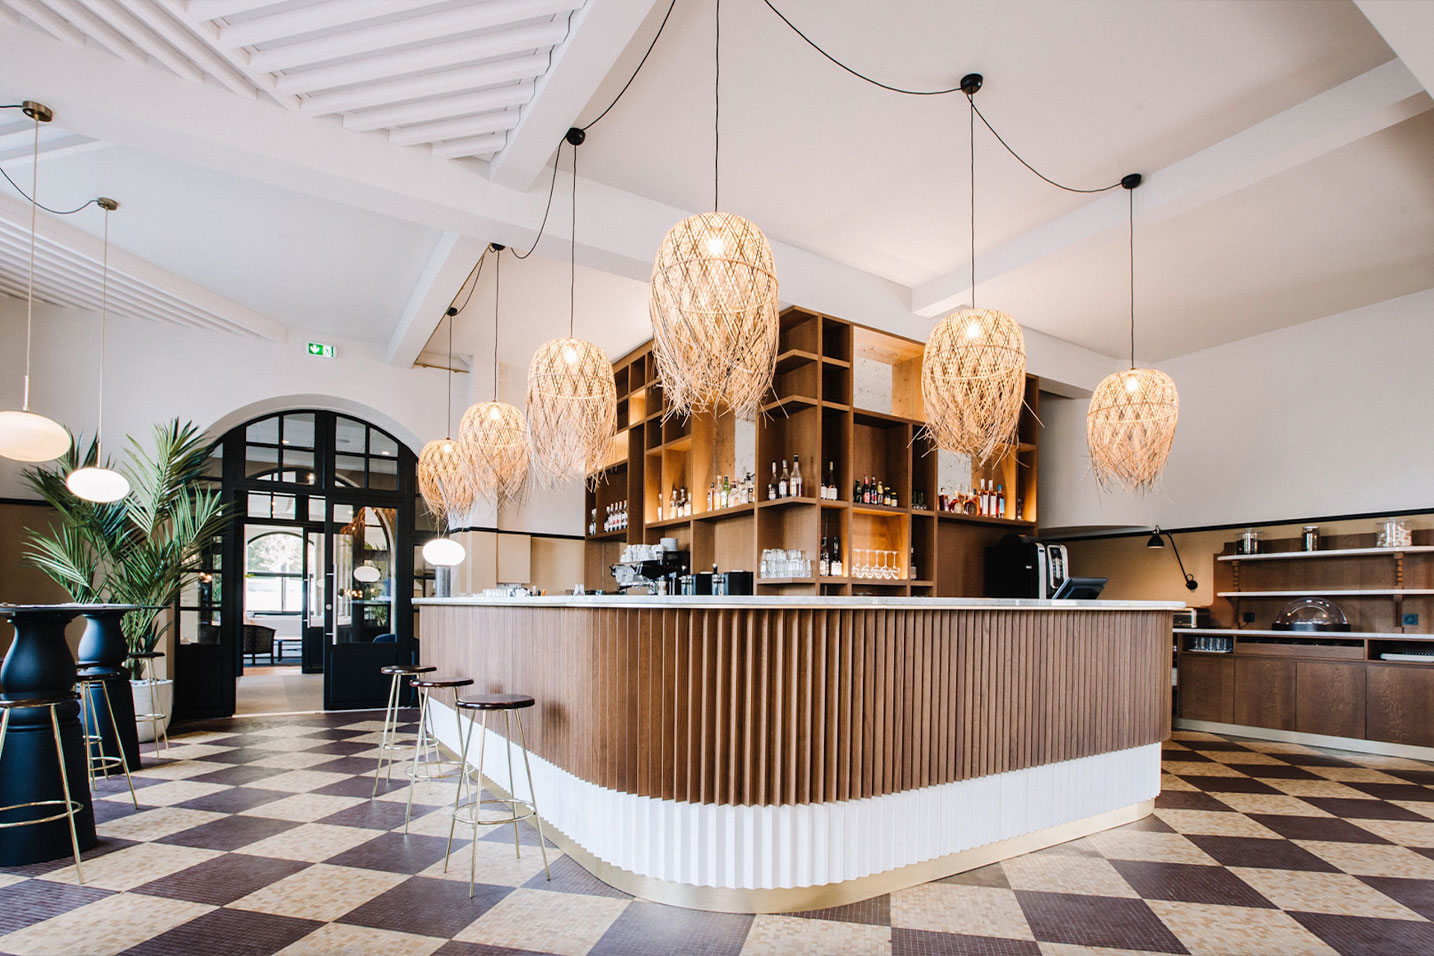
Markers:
point(318, 571)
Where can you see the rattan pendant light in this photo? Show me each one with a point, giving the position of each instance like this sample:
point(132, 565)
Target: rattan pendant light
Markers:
point(572, 398)
point(25, 435)
point(973, 371)
point(713, 303)
point(1130, 427)
point(442, 477)
point(493, 436)
point(96, 482)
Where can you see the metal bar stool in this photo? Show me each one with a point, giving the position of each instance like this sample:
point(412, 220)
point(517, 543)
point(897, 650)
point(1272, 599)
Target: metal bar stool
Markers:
point(71, 805)
point(389, 744)
point(90, 682)
point(156, 718)
point(469, 810)
point(428, 762)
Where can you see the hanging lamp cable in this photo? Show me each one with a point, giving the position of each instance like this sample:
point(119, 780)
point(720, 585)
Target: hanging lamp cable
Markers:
point(972, 120)
point(1130, 194)
point(716, 106)
point(497, 293)
point(448, 406)
point(573, 251)
point(595, 120)
point(30, 289)
point(552, 186)
point(108, 207)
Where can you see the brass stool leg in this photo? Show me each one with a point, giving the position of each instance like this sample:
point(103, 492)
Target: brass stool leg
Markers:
point(85, 733)
point(390, 719)
point(533, 795)
point(124, 762)
point(158, 721)
point(512, 783)
point(419, 746)
point(65, 786)
point(457, 796)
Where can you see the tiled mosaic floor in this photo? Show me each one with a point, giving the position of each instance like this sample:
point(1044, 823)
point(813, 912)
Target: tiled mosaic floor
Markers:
point(259, 837)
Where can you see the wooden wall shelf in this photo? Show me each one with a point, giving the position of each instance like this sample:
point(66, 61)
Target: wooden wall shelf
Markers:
point(1327, 553)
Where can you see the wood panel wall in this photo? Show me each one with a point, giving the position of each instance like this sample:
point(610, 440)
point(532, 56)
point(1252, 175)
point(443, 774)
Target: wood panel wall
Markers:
point(784, 705)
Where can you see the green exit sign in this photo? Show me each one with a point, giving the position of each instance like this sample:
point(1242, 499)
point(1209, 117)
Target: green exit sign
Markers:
point(322, 350)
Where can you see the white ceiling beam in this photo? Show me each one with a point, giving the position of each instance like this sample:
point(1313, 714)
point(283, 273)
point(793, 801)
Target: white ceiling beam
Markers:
point(138, 33)
point(472, 146)
point(597, 35)
point(437, 108)
point(59, 146)
point(97, 29)
point(442, 278)
point(433, 84)
point(1408, 27)
point(311, 19)
point(1360, 107)
point(180, 37)
point(498, 43)
point(418, 29)
point(238, 60)
point(458, 128)
point(219, 9)
point(47, 20)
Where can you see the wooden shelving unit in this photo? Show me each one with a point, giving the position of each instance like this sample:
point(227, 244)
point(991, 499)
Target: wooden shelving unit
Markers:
point(812, 413)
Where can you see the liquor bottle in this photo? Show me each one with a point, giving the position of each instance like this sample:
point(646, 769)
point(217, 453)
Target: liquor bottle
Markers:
point(711, 498)
point(659, 506)
point(984, 506)
point(824, 566)
point(911, 565)
point(592, 522)
point(856, 491)
point(796, 476)
point(686, 503)
point(772, 485)
point(836, 565)
point(831, 481)
point(726, 492)
point(1000, 501)
point(784, 483)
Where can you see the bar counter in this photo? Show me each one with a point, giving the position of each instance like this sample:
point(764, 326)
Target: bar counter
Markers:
point(767, 754)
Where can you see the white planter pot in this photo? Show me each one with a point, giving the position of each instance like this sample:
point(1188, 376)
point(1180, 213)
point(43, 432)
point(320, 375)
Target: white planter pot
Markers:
point(163, 703)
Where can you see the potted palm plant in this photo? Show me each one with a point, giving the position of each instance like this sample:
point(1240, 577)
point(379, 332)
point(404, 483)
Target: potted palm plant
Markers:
point(139, 550)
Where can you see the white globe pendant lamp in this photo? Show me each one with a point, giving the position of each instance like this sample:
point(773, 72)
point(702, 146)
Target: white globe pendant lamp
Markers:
point(96, 482)
point(26, 435)
point(443, 552)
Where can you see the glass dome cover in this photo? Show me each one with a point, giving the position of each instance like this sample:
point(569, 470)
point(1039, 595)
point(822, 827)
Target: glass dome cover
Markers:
point(1311, 614)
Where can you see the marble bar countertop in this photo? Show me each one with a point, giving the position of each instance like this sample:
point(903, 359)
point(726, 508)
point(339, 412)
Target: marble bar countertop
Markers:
point(798, 601)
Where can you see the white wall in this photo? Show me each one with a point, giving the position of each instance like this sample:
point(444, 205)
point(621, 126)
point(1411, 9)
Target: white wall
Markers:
point(1329, 417)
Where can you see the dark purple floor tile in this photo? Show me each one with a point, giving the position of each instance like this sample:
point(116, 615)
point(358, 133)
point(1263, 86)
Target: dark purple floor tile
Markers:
point(456, 948)
point(527, 834)
point(919, 942)
point(1315, 760)
point(568, 877)
point(1418, 895)
point(374, 815)
point(237, 776)
point(222, 880)
point(1096, 921)
point(872, 912)
point(1258, 852)
point(1366, 936)
point(427, 907)
point(1168, 753)
point(339, 748)
point(1424, 777)
point(1353, 809)
point(233, 800)
point(1188, 800)
point(1149, 824)
point(107, 810)
point(339, 733)
point(397, 853)
point(1316, 828)
point(227, 933)
point(651, 929)
point(1272, 771)
point(245, 755)
point(229, 833)
point(991, 875)
point(357, 766)
point(1396, 791)
point(1219, 785)
point(363, 786)
point(22, 904)
point(1188, 883)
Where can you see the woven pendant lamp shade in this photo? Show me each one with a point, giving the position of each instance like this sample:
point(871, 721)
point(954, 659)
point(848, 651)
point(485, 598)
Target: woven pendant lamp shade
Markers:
point(443, 480)
point(973, 381)
point(1131, 426)
point(714, 314)
point(493, 443)
point(572, 409)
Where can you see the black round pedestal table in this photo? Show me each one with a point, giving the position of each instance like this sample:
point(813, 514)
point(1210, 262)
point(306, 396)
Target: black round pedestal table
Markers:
point(39, 664)
point(103, 650)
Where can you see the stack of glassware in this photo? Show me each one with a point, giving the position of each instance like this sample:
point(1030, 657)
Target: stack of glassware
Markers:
point(785, 563)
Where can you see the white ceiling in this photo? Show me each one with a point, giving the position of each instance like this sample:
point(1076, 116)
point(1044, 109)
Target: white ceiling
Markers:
point(1285, 148)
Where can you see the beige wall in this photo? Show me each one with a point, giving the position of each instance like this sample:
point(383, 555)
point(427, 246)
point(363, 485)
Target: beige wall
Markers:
point(553, 564)
point(20, 583)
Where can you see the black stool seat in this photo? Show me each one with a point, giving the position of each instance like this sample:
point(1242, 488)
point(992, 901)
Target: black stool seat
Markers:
point(145, 655)
point(94, 670)
point(495, 702)
point(39, 701)
point(441, 681)
point(408, 669)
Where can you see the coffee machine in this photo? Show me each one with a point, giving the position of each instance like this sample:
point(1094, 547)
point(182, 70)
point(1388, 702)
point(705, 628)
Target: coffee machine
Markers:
point(1023, 566)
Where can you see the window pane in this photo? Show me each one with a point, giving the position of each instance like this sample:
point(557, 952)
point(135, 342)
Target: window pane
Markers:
point(349, 470)
point(260, 461)
point(266, 430)
point(381, 445)
point(300, 462)
point(299, 430)
point(343, 514)
point(293, 594)
point(317, 505)
point(383, 473)
point(265, 505)
point(262, 594)
point(349, 435)
point(280, 553)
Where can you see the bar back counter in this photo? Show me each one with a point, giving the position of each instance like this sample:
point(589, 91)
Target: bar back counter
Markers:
point(768, 754)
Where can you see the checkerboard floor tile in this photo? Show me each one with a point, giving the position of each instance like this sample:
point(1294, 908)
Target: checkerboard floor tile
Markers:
point(260, 837)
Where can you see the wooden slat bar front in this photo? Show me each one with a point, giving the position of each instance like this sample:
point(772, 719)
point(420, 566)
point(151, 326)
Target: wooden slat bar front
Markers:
point(766, 701)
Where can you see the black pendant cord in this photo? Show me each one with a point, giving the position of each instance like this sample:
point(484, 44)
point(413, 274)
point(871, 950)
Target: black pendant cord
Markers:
point(597, 119)
point(497, 297)
point(1131, 197)
point(1040, 175)
point(104, 315)
point(552, 186)
point(448, 406)
point(716, 107)
point(573, 252)
point(972, 113)
point(21, 191)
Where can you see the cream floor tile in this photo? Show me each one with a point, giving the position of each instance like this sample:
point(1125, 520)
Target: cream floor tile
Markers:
point(495, 863)
point(1363, 859)
point(179, 770)
point(1169, 782)
point(435, 793)
point(340, 938)
point(1069, 949)
point(1209, 930)
point(302, 807)
point(373, 725)
point(1058, 873)
point(1323, 893)
point(9, 879)
point(292, 744)
point(1355, 775)
point(953, 908)
point(185, 750)
point(782, 935)
point(1200, 768)
point(301, 781)
point(1382, 762)
point(311, 842)
point(1316, 788)
point(1149, 847)
point(568, 923)
point(295, 760)
point(321, 892)
point(1277, 747)
point(1240, 756)
point(156, 823)
point(1271, 803)
point(102, 928)
point(134, 865)
point(1421, 807)
point(1403, 832)
point(198, 737)
point(172, 792)
point(1214, 823)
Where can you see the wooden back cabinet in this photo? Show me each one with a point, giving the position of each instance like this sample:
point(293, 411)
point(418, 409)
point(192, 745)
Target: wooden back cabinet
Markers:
point(1374, 682)
point(815, 411)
